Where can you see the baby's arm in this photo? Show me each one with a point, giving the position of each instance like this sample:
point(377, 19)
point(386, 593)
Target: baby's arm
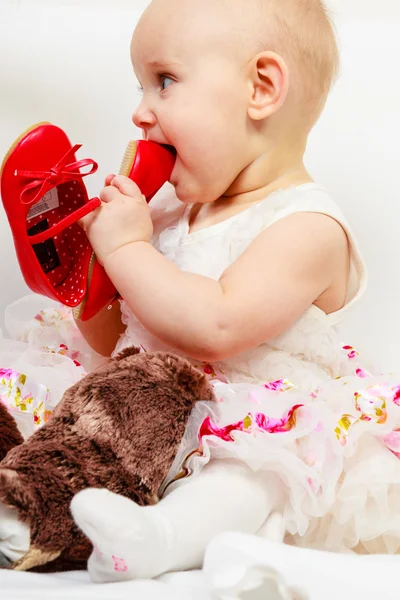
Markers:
point(103, 330)
point(286, 269)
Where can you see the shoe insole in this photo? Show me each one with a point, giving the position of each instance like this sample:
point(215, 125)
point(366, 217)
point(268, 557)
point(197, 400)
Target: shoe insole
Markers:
point(64, 258)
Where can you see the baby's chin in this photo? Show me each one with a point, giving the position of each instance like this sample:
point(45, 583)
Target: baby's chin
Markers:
point(189, 188)
point(183, 192)
point(192, 193)
point(191, 198)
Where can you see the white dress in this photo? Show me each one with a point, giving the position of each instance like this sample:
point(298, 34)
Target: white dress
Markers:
point(298, 408)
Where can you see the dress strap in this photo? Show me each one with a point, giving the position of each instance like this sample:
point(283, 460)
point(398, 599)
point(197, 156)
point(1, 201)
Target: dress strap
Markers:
point(314, 198)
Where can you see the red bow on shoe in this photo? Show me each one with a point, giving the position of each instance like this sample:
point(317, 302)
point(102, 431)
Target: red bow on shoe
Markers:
point(62, 172)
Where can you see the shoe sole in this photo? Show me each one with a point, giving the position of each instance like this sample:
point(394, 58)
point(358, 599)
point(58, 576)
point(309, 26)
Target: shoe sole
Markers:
point(17, 141)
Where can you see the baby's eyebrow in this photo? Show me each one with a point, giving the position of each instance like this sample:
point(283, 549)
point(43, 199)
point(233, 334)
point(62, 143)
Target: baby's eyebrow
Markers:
point(161, 64)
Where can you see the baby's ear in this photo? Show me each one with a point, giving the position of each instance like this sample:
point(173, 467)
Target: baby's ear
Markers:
point(15, 493)
point(269, 79)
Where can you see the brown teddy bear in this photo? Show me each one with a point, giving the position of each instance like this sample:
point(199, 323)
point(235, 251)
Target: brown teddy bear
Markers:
point(9, 434)
point(120, 428)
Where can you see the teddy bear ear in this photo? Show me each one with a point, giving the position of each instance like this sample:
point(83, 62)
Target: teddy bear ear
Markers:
point(14, 491)
point(187, 376)
point(131, 351)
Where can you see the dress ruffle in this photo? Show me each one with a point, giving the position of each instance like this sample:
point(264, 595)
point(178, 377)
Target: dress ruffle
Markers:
point(331, 455)
point(45, 355)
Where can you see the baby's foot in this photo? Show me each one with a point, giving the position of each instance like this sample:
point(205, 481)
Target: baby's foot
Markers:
point(14, 536)
point(130, 541)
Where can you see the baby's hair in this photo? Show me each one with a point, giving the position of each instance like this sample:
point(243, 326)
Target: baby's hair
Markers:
point(302, 32)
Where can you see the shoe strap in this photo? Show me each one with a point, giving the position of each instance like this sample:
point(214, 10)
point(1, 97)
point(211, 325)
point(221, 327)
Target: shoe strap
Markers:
point(66, 222)
point(65, 170)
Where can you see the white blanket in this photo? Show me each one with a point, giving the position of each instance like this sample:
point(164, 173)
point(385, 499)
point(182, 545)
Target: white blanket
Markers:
point(232, 561)
point(77, 586)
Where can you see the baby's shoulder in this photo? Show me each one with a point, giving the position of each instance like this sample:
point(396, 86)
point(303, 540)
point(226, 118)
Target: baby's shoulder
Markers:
point(309, 197)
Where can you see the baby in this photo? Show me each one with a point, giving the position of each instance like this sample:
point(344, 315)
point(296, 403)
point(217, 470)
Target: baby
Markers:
point(245, 267)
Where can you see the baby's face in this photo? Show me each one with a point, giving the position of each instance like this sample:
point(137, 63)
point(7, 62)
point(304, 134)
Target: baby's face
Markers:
point(195, 96)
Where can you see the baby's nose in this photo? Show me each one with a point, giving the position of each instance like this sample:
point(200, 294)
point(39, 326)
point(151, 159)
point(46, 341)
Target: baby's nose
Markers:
point(143, 117)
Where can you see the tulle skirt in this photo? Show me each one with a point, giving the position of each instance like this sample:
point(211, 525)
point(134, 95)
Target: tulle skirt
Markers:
point(43, 356)
point(330, 455)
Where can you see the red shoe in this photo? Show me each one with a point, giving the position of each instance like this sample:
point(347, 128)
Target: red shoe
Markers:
point(44, 196)
point(150, 166)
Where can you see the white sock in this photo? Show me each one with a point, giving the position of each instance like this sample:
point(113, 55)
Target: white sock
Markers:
point(14, 536)
point(133, 542)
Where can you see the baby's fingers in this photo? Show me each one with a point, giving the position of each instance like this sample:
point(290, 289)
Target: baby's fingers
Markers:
point(85, 222)
point(126, 186)
point(109, 179)
point(109, 193)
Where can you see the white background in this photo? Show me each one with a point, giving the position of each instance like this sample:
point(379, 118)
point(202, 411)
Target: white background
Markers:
point(67, 62)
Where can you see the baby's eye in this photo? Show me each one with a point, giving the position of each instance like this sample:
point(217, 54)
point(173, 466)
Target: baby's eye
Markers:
point(165, 81)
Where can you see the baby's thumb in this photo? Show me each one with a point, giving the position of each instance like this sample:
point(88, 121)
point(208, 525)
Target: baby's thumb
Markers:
point(86, 221)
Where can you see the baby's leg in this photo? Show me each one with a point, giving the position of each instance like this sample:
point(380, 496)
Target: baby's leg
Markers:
point(133, 542)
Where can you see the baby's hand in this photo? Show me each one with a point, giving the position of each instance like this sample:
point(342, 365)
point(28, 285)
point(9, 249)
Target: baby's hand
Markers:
point(123, 218)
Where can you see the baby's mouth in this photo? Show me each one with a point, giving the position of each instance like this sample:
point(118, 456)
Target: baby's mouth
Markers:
point(173, 151)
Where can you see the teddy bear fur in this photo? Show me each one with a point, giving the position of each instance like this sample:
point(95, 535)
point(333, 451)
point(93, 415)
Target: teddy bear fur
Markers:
point(120, 427)
point(9, 433)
